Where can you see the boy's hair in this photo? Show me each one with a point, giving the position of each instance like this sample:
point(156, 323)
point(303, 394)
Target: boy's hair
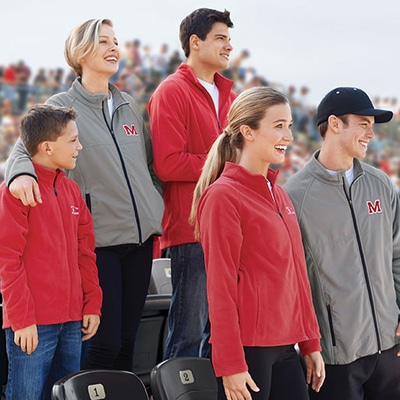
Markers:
point(44, 122)
point(200, 23)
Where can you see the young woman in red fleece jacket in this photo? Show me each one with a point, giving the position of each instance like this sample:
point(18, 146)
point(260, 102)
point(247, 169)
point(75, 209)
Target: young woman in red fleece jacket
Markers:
point(257, 287)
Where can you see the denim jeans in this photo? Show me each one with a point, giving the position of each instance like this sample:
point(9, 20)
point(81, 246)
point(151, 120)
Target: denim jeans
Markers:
point(31, 376)
point(188, 326)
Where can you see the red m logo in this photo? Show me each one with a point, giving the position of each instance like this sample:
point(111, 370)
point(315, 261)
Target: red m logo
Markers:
point(130, 131)
point(374, 208)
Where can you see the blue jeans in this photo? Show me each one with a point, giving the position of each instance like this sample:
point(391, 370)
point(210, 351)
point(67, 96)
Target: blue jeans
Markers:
point(31, 376)
point(188, 326)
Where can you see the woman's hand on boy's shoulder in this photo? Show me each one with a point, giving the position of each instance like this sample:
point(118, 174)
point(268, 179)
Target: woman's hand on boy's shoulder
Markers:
point(26, 189)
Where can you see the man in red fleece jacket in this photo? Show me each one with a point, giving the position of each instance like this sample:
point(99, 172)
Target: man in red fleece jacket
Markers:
point(187, 112)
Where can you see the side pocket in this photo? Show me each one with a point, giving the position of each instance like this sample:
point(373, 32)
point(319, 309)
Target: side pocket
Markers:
point(328, 308)
point(88, 201)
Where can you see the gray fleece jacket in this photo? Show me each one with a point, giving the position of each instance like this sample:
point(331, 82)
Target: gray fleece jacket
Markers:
point(114, 169)
point(351, 237)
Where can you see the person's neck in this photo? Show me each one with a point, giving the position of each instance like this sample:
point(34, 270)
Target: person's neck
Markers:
point(44, 162)
point(334, 160)
point(202, 72)
point(252, 165)
point(95, 85)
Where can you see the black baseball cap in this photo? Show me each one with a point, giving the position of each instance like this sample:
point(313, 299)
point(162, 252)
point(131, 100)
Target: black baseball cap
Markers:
point(349, 100)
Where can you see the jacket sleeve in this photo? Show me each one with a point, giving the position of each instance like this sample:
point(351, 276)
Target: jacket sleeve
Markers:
point(170, 132)
point(92, 293)
point(18, 163)
point(396, 245)
point(149, 155)
point(147, 145)
point(18, 301)
point(309, 346)
point(222, 243)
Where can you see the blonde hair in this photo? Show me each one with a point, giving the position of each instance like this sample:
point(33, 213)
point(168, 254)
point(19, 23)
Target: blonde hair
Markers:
point(82, 41)
point(249, 109)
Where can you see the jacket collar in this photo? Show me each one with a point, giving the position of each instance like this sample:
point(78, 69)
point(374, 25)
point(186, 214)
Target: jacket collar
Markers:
point(46, 175)
point(315, 168)
point(96, 100)
point(221, 82)
point(255, 181)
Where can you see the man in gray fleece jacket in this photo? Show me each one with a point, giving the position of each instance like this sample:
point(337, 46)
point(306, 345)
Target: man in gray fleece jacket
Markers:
point(349, 214)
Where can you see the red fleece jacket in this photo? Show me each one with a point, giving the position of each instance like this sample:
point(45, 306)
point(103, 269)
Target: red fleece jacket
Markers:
point(184, 125)
point(48, 273)
point(257, 284)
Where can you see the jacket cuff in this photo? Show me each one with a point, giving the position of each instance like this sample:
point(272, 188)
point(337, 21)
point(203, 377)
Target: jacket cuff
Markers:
point(309, 346)
point(16, 176)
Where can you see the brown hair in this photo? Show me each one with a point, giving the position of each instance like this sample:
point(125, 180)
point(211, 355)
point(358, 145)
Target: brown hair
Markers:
point(44, 122)
point(323, 127)
point(200, 23)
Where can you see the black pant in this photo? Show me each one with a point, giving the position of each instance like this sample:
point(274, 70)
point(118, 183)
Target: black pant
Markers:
point(124, 274)
point(277, 371)
point(375, 377)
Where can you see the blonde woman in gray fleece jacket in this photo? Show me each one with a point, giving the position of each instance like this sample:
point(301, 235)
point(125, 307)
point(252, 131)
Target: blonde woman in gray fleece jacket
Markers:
point(349, 215)
point(115, 174)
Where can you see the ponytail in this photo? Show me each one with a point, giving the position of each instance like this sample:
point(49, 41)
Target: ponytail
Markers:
point(221, 151)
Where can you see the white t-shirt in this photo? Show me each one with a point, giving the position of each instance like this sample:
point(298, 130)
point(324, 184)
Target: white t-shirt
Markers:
point(213, 90)
point(349, 174)
point(110, 104)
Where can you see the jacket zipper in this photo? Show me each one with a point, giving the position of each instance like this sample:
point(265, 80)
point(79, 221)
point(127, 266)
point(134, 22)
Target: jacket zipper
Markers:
point(54, 184)
point(272, 196)
point(364, 264)
point(135, 209)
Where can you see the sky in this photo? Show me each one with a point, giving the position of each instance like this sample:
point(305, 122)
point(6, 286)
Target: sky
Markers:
point(315, 43)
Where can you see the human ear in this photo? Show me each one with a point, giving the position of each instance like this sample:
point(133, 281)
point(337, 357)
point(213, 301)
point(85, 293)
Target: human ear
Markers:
point(194, 41)
point(45, 147)
point(247, 132)
point(334, 122)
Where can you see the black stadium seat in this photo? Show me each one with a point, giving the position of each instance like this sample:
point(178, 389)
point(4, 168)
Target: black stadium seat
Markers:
point(99, 384)
point(149, 344)
point(160, 282)
point(184, 378)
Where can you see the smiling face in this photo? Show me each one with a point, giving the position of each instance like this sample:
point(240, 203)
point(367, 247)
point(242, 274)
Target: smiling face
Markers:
point(212, 54)
point(268, 143)
point(356, 135)
point(106, 59)
point(346, 138)
point(63, 152)
point(274, 134)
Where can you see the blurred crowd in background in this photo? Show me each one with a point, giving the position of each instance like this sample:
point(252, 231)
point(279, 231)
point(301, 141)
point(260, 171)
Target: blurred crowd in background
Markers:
point(143, 68)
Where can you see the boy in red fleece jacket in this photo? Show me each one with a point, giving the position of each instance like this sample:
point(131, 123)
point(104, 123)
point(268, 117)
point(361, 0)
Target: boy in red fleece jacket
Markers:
point(48, 275)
